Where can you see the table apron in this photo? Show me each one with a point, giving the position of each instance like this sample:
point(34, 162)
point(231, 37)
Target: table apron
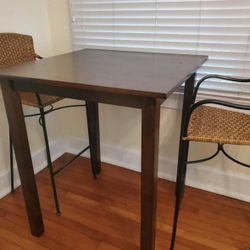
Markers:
point(119, 99)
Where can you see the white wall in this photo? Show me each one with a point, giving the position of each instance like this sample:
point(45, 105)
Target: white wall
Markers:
point(48, 22)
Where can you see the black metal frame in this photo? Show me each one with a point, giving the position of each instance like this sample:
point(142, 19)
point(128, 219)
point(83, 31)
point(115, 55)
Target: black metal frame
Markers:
point(184, 144)
point(42, 122)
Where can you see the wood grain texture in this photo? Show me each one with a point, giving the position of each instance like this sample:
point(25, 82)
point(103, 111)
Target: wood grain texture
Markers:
point(132, 73)
point(150, 147)
point(92, 112)
point(104, 214)
point(18, 132)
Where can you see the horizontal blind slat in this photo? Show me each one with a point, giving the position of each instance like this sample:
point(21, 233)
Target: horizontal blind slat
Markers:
point(218, 28)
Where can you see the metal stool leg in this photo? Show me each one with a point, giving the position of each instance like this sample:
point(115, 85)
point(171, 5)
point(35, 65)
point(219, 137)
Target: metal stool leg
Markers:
point(43, 124)
point(185, 160)
point(11, 163)
point(180, 185)
point(176, 215)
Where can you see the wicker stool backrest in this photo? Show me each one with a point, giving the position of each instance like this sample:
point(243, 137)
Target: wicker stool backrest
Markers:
point(15, 49)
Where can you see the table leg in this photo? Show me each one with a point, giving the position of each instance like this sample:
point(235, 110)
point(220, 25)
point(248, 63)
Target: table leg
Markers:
point(183, 154)
point(94, 136)
point(184, 145)
point(150, 145)
point(23, 157)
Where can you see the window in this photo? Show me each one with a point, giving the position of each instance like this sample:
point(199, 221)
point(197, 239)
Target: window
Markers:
point(218, 28)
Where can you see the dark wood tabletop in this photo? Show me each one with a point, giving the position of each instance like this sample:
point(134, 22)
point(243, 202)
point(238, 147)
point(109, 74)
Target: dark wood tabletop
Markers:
point(134, 73)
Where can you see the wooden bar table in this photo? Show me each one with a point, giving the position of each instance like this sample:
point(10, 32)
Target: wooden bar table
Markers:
point(130, 79)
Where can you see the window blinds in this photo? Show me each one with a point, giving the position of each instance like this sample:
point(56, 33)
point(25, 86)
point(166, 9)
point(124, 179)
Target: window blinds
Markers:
point(218, 28)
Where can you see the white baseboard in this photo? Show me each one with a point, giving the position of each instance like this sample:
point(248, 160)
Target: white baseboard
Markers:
point(230, 184)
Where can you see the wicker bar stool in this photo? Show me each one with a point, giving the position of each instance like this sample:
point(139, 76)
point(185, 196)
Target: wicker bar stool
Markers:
point(206, 123)
point(17, 49)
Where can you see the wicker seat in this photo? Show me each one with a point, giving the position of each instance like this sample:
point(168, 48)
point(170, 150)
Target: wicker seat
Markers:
point(17, 49)
point(207, 123)
point(210, 124)
point(30, 99)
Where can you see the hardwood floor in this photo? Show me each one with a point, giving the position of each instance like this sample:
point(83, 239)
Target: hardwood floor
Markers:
point(103, 214)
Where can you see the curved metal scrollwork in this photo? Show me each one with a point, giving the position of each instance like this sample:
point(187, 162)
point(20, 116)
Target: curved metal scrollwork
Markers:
point(208, 158)
point(231, 158)
point(220, 148)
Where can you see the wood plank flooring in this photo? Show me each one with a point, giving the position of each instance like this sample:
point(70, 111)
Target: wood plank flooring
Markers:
point(103, 214)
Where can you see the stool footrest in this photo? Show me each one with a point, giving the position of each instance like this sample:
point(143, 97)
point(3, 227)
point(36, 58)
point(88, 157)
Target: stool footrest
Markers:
point(71, 160)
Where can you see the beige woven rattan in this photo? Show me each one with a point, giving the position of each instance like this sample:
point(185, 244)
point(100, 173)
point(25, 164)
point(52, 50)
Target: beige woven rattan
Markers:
point(211, 124)
point(17, 49)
